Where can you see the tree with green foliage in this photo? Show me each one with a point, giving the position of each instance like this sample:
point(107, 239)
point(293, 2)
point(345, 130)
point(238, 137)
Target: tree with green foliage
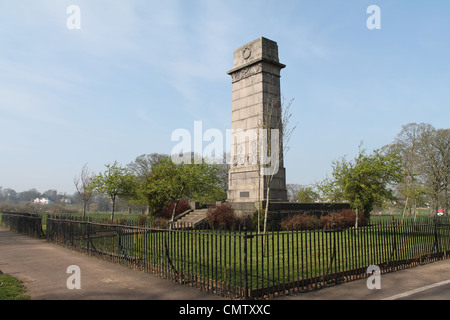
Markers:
point(116, 182)
point(142, 167)
point(169, 182)
point(365, 182)
point(306, 194)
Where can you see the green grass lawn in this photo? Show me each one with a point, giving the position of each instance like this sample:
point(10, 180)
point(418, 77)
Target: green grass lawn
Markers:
point(12, 288)
point(289, 256)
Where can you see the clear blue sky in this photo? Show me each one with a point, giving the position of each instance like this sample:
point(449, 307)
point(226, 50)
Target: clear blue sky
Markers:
point(138, 70)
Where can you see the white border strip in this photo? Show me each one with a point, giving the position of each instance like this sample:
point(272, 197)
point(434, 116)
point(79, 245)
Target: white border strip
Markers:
point(408, 293)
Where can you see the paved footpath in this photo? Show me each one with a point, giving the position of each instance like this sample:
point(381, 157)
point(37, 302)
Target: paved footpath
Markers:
point(42, 267)
point(426, 282)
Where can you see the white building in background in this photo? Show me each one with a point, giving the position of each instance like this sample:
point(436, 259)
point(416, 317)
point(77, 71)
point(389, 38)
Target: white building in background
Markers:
point(41, 201)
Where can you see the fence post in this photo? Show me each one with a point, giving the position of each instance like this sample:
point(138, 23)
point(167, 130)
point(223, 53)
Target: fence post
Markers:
point(394, 242)
point(88, 235)
point(245, 265)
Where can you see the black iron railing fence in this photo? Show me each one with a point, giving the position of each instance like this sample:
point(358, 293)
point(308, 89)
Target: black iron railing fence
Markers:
point(25, 223)
point(250, 265)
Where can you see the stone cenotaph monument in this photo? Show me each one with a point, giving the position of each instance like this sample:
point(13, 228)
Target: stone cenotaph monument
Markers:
point(256, 106)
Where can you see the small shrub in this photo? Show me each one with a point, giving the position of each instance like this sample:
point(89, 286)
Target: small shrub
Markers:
point(222, 216)
point(336, 220)
point(142, 220)
point(123, 222)
point(341, 220)
point(300, 222)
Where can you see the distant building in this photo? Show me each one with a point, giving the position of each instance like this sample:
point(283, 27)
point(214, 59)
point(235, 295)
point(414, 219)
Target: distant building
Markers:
point(42, 201)
point(66, 201)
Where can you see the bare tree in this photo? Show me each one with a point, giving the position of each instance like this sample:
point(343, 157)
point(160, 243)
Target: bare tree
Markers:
point(426, 164)
point(85, 184)
point(408, 143)
point(144, 164)
point(293, 190)
point(443, 147)
point(276, 116)
point(435, 160)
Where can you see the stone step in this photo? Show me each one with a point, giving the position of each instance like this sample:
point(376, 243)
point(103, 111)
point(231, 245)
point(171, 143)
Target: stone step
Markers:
point(191, 219)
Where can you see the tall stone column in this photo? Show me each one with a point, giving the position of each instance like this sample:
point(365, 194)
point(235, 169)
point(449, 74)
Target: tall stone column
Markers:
point(256, 105)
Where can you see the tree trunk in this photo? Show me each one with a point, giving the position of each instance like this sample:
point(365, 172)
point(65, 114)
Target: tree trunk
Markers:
point(404, 210)
point(266, 213)
point(113, 208)
point(84, 210)
point(259, 197)
point(173, 214)
point(446, 198)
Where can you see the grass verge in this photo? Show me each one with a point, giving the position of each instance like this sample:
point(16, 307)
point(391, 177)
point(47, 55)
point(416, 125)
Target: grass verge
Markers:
point(12, 288)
